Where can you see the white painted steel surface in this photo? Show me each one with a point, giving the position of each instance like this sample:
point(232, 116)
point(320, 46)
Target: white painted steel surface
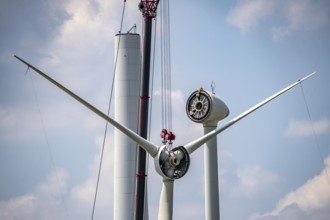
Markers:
point(166, 200)
point(211, 181)
point(127, 88)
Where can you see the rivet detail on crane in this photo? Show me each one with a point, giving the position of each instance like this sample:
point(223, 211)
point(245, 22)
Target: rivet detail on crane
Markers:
point(148, 8)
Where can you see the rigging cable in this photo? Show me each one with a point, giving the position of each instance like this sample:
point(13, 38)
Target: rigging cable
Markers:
point(59, 182)
point(169, 78)
point(108, 113)
point(162, 64)
point(314, 132)
point(166, 90)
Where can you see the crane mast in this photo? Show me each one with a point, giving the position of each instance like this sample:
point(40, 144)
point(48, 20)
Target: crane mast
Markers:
point(148, 9)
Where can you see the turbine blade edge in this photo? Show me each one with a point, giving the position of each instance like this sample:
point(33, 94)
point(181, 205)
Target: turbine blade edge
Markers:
point(192, 146)
point(145, 144)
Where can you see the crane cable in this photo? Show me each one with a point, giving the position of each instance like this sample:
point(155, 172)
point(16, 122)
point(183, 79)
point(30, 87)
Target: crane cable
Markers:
point(166, 86)
point(314, 132)
point(166, 62)
point(51, 156)
point(108, 113)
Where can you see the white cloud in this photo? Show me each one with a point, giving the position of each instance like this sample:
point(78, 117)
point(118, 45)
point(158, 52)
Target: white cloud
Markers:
point(254, 180)
point(81, 51)
point(80, 54)
point(300, 15)
point(294, 15)
point(248, 187)
point(307, 128)
point(81, 196)
point(306, 13)
point(51, 199)
point(55, 184)
point(86, 35)
point(43, 203)
point(27, 123)
point(249, 13)
point(310, 201)
point(25, 204)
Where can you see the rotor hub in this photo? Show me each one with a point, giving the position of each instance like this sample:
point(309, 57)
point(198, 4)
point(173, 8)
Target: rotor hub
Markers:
point(172, 164)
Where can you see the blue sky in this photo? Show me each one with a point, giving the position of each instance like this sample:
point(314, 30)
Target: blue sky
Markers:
point(272, 165)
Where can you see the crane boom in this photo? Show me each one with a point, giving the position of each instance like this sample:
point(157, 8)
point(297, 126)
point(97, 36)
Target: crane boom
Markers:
point(148, 9)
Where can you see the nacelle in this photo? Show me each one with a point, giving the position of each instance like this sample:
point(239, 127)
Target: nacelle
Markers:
point(206, 108)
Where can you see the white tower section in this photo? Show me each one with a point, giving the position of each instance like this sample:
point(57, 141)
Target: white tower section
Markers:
point(206, 108)
point(127, 88)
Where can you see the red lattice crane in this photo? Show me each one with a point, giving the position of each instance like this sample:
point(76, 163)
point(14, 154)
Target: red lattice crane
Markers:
point(148, 8)
point(149, 12)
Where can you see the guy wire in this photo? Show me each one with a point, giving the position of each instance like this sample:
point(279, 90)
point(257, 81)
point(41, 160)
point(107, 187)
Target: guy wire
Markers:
point(59, 182)
point(108, 112)
point(314, 133)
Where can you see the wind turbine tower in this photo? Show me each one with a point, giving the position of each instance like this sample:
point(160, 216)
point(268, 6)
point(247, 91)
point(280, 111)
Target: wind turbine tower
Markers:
point(206, 108)
point(127, 88)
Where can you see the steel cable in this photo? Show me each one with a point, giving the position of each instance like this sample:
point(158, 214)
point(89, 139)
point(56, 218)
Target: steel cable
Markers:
point(314, 132)
point(166, 87)
point(108, 112)
point(59, 182)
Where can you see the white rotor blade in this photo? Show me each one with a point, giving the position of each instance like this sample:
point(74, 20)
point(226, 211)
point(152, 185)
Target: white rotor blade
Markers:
point(192, 146)
point(166, 201)
point(145, 144)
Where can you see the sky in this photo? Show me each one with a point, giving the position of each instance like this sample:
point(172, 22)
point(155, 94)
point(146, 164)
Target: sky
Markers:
point(274, 164)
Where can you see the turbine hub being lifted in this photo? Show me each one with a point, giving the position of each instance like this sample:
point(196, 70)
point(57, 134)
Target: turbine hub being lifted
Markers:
point(172, 164)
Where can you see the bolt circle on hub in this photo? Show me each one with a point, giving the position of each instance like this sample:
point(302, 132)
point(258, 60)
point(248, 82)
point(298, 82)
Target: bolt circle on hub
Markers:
point(198, 105)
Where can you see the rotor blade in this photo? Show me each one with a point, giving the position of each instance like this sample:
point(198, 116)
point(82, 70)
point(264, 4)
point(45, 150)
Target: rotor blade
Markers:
point(166, 201)
point(145, 144)
point(192, 146)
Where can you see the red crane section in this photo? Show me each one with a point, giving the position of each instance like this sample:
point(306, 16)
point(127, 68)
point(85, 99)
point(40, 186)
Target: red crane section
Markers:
point(148, 8)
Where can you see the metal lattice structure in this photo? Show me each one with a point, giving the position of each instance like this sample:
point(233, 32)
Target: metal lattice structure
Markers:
point(148, 8)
